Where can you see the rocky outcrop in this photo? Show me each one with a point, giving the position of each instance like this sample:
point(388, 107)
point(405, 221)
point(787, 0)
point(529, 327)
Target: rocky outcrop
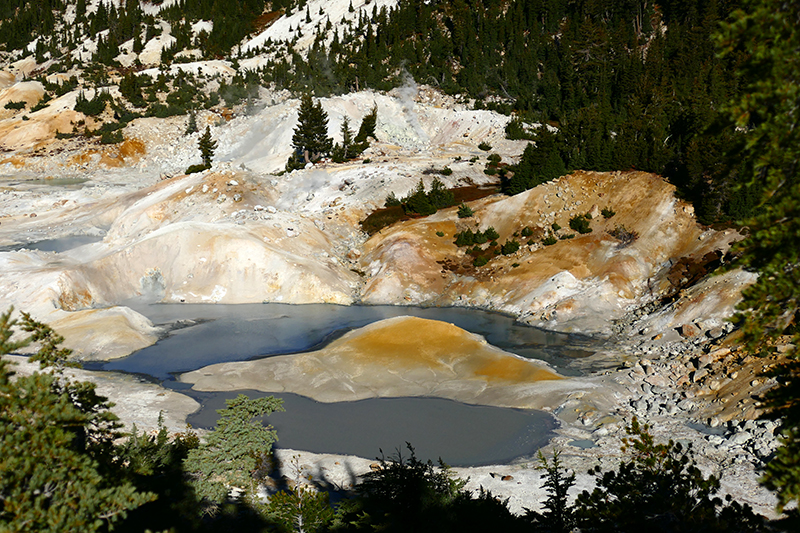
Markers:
point(579, 284)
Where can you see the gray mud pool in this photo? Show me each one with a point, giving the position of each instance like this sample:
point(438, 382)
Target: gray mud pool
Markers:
point(460, 434)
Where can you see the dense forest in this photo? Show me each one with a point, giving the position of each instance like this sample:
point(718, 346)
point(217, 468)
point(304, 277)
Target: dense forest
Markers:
point(628, 83)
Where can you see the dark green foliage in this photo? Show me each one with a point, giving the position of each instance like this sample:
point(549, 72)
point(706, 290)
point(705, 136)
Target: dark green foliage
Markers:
point(419, 202)
point(439, 196)
point(766, 34)
point(549, 240)
point(580, 224)
point(22, 20)
point(468, 238)
point(44, 102)
point(541, 162)
point(299, 509)
point(627, 86)
point(485, 146)
point(57, 471)
point(658, 489)
point(555, 226)
point(422, 202)
point(347, 149)
point(480, 261)
point(557, 516)
point(191, 123)
point(236, 452)
point(367, 129)
point(440, 234)
point(207, 146)
point(196, 168)
point(392, 200)
point(111, 137)
point(233, 20)
point(465, 211)
point(92, 107)
point(15, 105)
point(509, 247)
point(565, 237)
point(406, 495)
point(310, 140)
point(607, 212)
point(527, 232)
point(154, 463)
point(516, 130)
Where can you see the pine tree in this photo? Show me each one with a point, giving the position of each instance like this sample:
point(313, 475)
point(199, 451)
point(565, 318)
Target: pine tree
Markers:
point(56, 469)
point(207, 146)
point(236, 452)
point(345, 151)
point(767, 34)
point(191, 126)
point(366, 129)
point(310, 140)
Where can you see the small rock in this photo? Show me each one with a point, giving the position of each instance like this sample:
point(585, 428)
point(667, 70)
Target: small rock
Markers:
point(233, 183)
point(221, 198)
point(740, 438)
point(715, 440)
point(205, 188)
point(375, 467)
point(699, 374)
point(237, 197)
point(658, 337)
point(258, 208)
point(715, 333)
point(271, 209)
point(507, 478)
point(688, 331)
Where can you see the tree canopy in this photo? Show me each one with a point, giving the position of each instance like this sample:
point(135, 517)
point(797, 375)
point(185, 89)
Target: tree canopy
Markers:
point(55, 444)
point(767, 33)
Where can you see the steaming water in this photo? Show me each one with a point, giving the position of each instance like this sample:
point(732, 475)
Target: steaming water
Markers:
point(461, 434)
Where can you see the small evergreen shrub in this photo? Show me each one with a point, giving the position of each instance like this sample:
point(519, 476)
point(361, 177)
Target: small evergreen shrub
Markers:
point(391, 200)
point(527, 232)
point(580, 224)
point(607, 213)
point(480, 261)
point(196, 168)
point(465, 211)
point(509, 247)
point(555, 226)
point(440, 234)
point(485, 146)
point(111, 137)
point(491, 234)
point(15, 105)
point(549, 240)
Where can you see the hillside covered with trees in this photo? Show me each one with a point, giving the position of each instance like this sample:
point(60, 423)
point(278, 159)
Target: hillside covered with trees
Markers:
point(703, 92)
